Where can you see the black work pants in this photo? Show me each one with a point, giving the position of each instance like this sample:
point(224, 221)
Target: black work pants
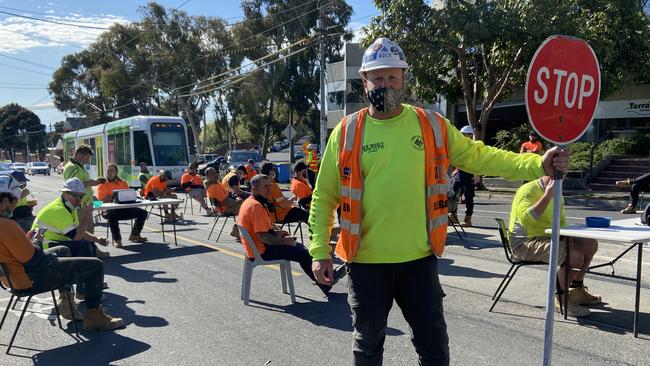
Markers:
point(56, 269)
point(466, 182)
point(639, 184)
point(115, 216)
point(297, 253)
point(78, 248)
point(416, 288)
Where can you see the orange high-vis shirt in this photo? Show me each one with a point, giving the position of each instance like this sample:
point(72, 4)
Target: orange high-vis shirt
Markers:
point(156, 183)
point(250, 172)
point(216, 191)
point(300, 188)
point(107, 188)
point(254, 217)
point(195, 179)
point(532, 147)
point(15, 249)
point(276, 197)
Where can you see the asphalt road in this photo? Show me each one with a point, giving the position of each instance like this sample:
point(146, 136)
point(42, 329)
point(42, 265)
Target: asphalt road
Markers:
point(182, 307)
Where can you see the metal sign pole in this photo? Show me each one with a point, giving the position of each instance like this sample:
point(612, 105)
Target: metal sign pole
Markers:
point(552, 267)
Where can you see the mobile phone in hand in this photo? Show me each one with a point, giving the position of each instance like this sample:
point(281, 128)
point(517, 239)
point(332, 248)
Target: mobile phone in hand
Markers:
point(41, 230)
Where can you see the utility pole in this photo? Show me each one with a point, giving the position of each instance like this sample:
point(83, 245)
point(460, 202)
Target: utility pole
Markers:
point(323, 114)
point(52, 134)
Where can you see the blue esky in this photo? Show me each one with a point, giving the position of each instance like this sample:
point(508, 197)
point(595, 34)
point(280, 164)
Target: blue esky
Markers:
point(30, 50)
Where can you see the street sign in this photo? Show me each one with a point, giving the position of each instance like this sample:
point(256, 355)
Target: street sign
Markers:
point(562, 89)
point(289, 132)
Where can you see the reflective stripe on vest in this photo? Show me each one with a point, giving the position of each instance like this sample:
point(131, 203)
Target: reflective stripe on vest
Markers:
point(434, 136)
point(312, 161)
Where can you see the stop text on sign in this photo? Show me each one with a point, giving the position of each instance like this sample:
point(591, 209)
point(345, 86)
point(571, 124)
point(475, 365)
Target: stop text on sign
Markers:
point(562, 89)
point(569, 86)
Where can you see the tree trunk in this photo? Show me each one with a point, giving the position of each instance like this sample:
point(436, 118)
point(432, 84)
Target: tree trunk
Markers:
point(291, 155)
point(267, 128)
point(195, 129)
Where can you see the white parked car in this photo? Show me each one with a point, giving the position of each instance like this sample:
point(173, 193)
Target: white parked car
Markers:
point(37, 167)
point(19, 167)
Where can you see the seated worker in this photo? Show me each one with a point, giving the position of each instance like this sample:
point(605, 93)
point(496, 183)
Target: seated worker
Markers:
point(232, 182)
point(270, 243)
point(105, 193)
point(157, 188)
point(300, 185)
point(144, 176)
point(23, 213)
point(636, 186)
point(284, 211)
point(60, 219)
point(531, 215)
point(223, 202)
point(192, 184)
point(250, 170)
point(29, 266)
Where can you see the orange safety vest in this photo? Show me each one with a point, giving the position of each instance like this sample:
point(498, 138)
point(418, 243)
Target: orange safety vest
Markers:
point(434, 138)
point(312, 161)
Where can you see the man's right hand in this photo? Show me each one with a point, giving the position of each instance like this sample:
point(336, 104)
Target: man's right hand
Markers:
point(320, 268)
point(549, 186)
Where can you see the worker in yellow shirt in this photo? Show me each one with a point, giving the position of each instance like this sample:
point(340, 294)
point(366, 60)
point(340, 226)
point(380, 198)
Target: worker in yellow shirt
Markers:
point(392, 247)
point(311, 159)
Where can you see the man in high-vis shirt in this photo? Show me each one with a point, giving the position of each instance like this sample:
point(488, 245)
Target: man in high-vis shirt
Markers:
point(531, 215)
point(75, 169)
point(31, 267)
point(391, 233)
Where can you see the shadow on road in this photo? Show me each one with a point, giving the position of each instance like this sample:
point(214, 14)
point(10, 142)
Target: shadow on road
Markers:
point(615, 320)
point(446, 268)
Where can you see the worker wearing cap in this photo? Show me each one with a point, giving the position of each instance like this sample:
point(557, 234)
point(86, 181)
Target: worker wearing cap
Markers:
point(60, 219)
point(157, 188)
point(533, 145)
point(392, 233)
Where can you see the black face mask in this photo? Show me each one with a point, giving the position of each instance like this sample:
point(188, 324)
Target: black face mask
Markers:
point(265, 202)
point(385, 99)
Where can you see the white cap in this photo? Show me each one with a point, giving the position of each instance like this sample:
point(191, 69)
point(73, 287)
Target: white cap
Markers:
point(467, 130)
point(311, 147)
point(10, 185)
point(383, 54)
point(73, 185)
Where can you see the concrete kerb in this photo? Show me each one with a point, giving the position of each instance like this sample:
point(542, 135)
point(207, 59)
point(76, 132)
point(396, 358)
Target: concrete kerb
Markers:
point(599, 200)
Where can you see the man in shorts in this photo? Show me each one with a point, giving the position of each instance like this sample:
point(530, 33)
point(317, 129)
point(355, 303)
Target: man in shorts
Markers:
point(531, 215)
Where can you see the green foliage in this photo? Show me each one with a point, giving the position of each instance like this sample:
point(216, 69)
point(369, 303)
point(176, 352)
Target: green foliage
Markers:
point(17, 123)
point(513, 138)
point(618, 146)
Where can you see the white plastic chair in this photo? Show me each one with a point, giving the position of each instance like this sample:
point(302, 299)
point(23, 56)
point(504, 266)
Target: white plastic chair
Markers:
point(249, 265)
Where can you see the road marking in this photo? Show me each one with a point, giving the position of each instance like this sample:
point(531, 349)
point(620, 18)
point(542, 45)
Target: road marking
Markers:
point(218, 249)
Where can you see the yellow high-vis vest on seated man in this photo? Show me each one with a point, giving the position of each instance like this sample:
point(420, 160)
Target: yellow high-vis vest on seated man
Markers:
point(434, 139)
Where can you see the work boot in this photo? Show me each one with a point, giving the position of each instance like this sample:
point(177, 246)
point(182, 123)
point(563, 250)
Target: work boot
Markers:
point(625, 183)
point(64, 307)
point(118, 243)
point(101, 254)
point(629, 209)
point(581, 296)
point(97, 319)
point(467, 222)
point(137, 238)
point(573, 310)
point(234, 232)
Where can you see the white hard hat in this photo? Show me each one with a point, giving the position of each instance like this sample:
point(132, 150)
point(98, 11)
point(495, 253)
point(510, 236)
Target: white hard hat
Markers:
point(467, 130)
point(10, 185)
point(73, 185)
point(311, 147)
point(383, 54)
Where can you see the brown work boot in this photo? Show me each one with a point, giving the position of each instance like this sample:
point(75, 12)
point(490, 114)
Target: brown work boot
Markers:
point(629, 209)
point(581, 296)
point(573, 310)
point(118, 243)
point(97, 319)
point(467, 222)
point(137, 238)
point(625, 183)
point(64, 307)
point(101, 254)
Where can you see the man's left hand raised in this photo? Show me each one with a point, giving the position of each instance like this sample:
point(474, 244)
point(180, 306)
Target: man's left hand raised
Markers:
point(555, 159)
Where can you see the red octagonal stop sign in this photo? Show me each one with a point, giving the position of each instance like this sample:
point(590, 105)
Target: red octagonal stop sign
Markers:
point(562, 89)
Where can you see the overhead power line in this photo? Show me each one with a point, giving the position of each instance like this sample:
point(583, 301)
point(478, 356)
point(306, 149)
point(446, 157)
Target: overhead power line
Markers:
point(27, 62)
point(53, 21)
point(27, 70)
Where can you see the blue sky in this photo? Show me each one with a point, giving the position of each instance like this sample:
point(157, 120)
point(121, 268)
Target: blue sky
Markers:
point(30, 50)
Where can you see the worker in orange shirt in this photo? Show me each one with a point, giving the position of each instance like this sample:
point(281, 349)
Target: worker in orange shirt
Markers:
point(300, 186)
point(534, 145)
point(193, 185)
point(224, 202)
point(283, 210)
point(105, 193)
point(157, 188)
point(250, 170)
